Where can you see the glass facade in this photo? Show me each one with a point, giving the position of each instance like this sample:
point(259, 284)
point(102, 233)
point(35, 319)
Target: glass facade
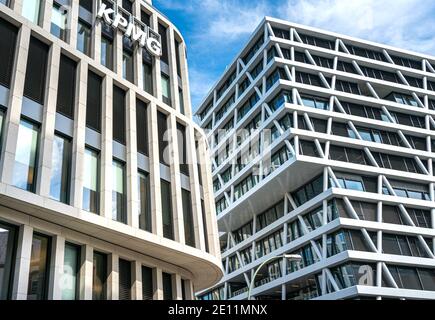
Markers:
point(60, 169)
point(119, 210)
point(127, 66)
point(166, 90)
point(166, 196)
point(107, 52)
point(147, 283)
point(24, 175)
point(167, 286)
point(8, 241)
point(31, 10)
point(144, 193)
point(59, 20)
point(99, 276)
point(124, 280)
point(71, 272)
point(189, 231)
point(84, 40)
point(147, 72)
point(91, 181)
point(39, 268)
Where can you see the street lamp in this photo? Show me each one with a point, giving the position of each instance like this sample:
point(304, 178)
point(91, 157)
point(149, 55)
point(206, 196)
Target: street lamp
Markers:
point(290, 257)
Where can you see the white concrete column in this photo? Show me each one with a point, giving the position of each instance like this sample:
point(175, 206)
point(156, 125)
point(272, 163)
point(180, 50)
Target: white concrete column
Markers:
point(198, 222)
point(22, 263)
point(132, 175)
point(137, 280)
point(158, 284)
point(78, 149)
point(48, 123)
point(209, 204)
point(96, 38)
point(73, 23)
point(56, 282)
point(137, 55)
point(190, 295)
point(177, 205)
point(155, 188)
point(138, 74)
point(106, 149)
point(157, 77)
point(117, 52)
point(45, 15)
point(177, 287)
point(13, 116)
point(185, 81)
point(173, 69)
point(113, 278)
point(86, 272)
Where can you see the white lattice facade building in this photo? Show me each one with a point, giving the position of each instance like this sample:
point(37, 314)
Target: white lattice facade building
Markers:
point(322, 146)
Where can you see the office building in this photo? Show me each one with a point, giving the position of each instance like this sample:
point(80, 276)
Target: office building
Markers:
point(323, 147)
point(104, 187)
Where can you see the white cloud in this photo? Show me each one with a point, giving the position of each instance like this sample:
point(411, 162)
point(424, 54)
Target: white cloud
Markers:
point(403, 23)
point(230, 20)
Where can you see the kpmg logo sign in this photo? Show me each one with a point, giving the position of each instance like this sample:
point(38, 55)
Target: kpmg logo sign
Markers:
point(146, 37)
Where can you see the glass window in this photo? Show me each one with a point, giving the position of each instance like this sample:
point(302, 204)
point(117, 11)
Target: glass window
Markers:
point(87, 5)
point(189, 232)
point(59, 21)
point(94, 102)
point(167, 286)
point(5, 2)
point(7, 258)
point(147, 77)
point(163, 138)
point(181, 98)
point(90, 181)
point(182, 149)
point(119, 111)
point(8, 39)
point(142, 127)
point(66, 87)
point(60, 169)
point(31, 10)
point(168, 228)
point(164, 41)
point(107, 52)
point(124, 280)
point(36, 71)
point(119, 212)
point(24, 175)
point(144, 202)
point(204, 226)
point(166, 90)
point(127, 66)
point(99, 277)
point(39, 268)
point(354, 185)
point(84, 38)
point(147, 283)
point(71, 272)
point(177, 56)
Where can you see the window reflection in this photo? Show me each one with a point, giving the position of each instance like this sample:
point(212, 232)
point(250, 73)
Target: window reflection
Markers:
point(90, 181)
point(24, 175)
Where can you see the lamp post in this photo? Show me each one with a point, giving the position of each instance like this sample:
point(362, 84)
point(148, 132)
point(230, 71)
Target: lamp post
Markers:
point(290, 257)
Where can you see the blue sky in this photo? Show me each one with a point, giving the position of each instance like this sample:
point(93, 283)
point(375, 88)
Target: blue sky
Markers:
point(216, 30)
